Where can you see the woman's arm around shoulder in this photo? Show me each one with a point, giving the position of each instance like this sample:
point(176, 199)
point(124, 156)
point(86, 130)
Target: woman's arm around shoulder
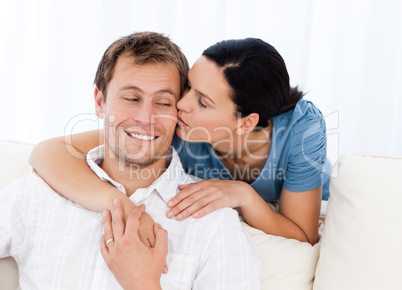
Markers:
point(61, 163)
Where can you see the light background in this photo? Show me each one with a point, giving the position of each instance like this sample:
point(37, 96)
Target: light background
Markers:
point(347, 54)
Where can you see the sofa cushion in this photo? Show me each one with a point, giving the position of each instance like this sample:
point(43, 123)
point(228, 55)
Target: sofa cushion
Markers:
point(361, 243)
point(287, 264)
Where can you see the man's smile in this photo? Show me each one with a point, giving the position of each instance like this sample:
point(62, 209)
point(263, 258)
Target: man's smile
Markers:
point(140, 136)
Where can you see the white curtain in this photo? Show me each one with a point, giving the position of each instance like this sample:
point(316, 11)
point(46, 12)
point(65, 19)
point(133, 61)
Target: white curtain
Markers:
point(347, 56)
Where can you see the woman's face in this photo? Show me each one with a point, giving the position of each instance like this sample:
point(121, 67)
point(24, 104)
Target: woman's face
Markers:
point(206, 112)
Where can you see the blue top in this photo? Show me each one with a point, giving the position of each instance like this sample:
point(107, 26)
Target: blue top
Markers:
point(297, 159)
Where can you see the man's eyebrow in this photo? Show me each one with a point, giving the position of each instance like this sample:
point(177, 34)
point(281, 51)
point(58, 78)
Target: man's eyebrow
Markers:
point(134, 88)
point(167, 91)
point(205, 96)
point(131, 88)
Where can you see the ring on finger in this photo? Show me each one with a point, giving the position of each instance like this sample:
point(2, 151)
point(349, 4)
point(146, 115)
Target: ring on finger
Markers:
point(109, 241)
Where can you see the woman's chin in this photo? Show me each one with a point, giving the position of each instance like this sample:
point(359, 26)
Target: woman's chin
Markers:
point(180, 132)
point(186, 136)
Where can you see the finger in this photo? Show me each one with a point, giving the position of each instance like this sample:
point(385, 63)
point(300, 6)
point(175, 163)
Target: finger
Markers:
point(151, 241)
point(183, 186)
point(107, 226)
point(213, 206)
point(186, 203)
point(161, 244)
point(133, 222)
point(117, 219)
point(104, 248)
point(189, 189)
point(147, 241)
point(199, 205)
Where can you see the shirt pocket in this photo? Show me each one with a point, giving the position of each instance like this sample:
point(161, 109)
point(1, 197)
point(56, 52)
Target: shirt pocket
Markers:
point(181, 274)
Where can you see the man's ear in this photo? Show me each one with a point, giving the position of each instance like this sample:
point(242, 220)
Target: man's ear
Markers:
point(99, 103)
point(247, 124)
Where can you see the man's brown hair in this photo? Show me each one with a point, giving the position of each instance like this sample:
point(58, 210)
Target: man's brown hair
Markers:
point(144, 48)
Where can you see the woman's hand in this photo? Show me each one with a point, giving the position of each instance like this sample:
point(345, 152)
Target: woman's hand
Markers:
point(146, 227)
point(146, 230)
point(134, 265)
point(204, 197)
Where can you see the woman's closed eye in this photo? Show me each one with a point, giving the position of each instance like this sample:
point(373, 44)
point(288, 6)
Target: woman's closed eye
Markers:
point(200, 103)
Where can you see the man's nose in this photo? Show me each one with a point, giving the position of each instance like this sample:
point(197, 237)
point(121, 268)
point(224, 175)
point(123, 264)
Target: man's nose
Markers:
point(146, 113)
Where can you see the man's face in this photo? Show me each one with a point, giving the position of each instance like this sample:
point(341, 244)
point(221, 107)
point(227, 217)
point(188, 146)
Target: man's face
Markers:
point(140, 111)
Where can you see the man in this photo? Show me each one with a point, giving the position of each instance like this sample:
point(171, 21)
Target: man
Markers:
point(56, 243)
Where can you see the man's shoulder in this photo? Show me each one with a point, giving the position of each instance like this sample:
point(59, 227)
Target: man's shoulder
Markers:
point(27, 185)
point(221, 220)
point(16, 184)
point(26, 181)
point(35, 182)
point(228, 218)
point(19, 189)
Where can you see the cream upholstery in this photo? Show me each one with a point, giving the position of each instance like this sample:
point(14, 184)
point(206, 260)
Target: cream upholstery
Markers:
point(361, 244)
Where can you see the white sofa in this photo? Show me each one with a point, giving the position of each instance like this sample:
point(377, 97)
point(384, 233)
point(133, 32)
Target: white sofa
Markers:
point(361, 242)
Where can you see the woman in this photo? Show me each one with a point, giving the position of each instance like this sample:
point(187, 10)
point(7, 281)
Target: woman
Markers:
point(245, 130)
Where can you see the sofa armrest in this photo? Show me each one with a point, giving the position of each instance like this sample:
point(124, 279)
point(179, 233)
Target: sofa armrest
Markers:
point(8, 274)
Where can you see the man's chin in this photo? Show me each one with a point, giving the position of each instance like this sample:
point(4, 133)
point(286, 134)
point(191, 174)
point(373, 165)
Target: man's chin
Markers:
point(141, 161)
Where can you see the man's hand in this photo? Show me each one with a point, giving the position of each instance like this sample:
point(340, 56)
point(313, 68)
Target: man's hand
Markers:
point(134, 265)
point(146, 230)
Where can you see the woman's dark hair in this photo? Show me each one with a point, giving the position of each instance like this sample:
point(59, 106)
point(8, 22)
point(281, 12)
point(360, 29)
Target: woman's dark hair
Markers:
point(258, 77)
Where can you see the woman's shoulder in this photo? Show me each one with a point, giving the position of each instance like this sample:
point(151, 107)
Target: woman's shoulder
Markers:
point(294, 126)
point(305, 112)
point(305, 107)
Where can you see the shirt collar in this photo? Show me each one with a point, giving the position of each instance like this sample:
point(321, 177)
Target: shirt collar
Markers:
point(166, 184)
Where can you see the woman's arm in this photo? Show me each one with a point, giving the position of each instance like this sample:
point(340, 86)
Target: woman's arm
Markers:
point(61, 163)
point(297, 217)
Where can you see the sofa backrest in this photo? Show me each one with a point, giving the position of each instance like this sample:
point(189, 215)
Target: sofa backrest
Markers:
point(361, 243)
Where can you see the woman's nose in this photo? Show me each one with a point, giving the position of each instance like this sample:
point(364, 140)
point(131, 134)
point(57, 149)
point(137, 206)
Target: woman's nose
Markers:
point(183, 103)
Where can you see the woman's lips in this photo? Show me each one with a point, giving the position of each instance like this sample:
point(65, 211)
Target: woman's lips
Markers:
point(181, 122)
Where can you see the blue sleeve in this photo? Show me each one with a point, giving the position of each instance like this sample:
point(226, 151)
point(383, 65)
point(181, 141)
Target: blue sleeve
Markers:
point(308, 154)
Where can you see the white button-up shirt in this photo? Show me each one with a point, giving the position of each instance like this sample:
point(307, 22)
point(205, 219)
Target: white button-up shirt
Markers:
point(56, 242)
